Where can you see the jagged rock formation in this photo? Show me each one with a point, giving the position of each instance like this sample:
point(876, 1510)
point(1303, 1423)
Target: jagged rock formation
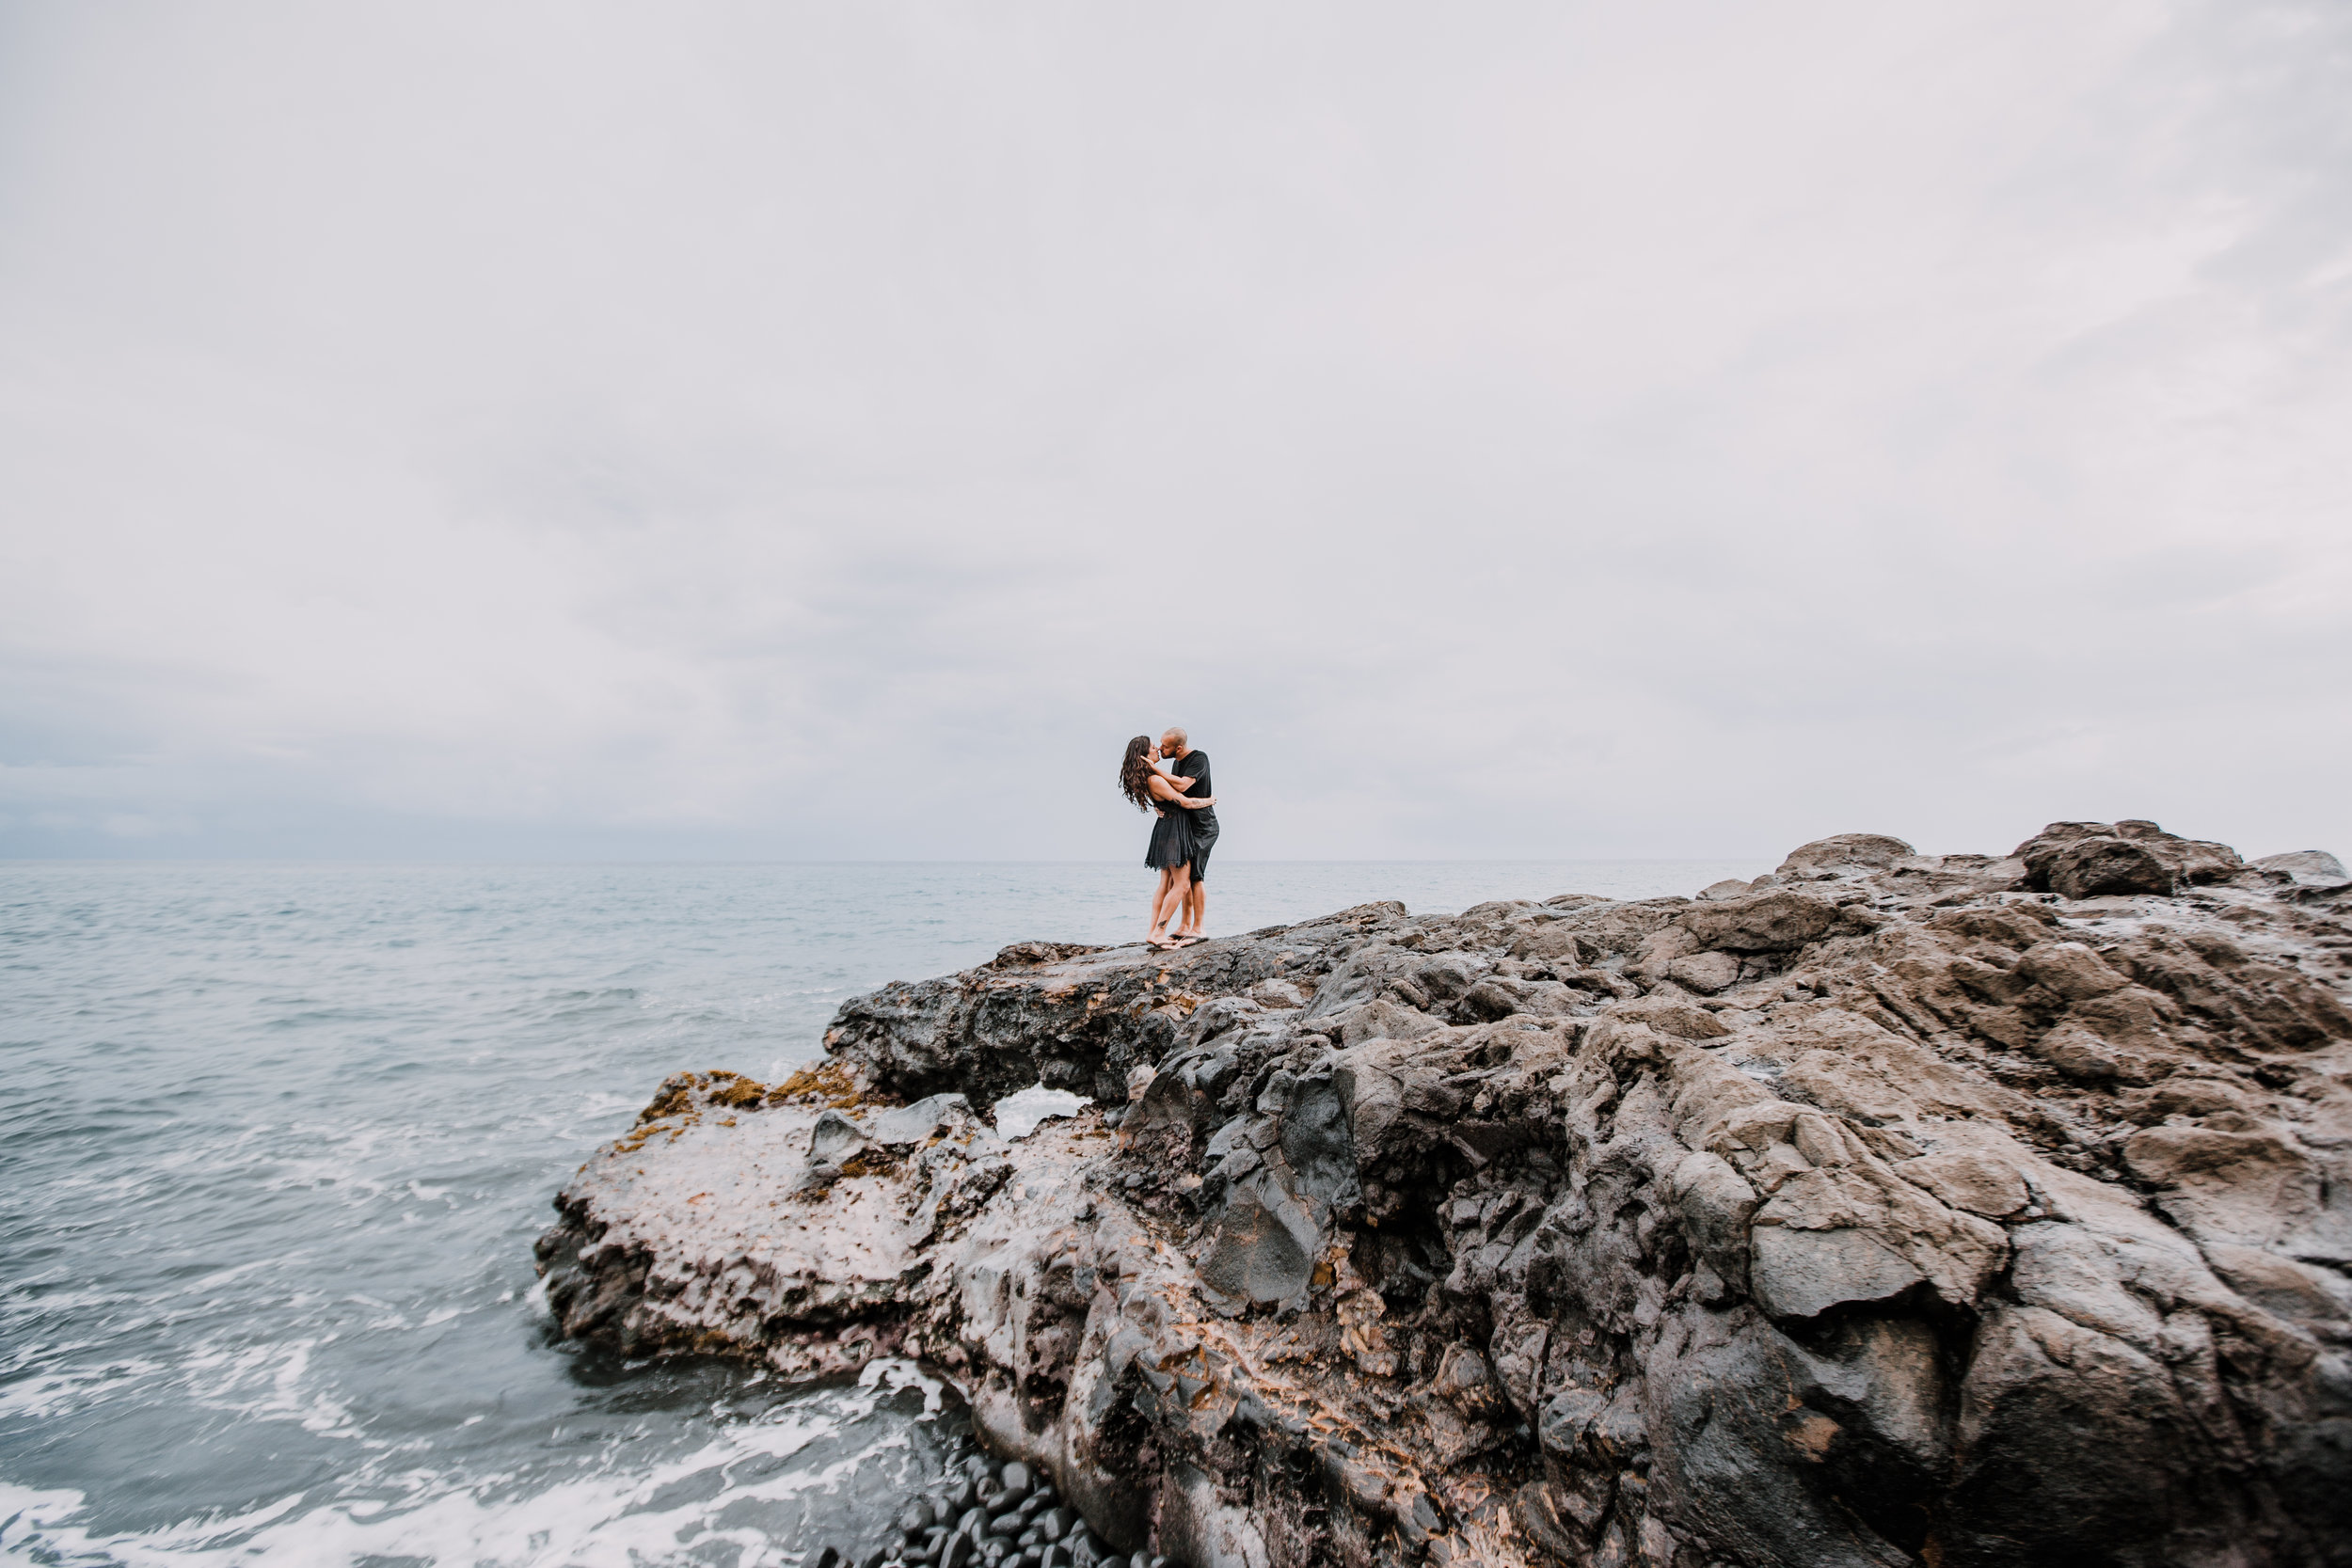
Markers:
point(1893, 1208)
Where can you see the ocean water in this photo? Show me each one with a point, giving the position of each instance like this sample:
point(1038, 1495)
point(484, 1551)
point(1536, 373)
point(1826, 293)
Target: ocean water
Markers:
point(275, 1142)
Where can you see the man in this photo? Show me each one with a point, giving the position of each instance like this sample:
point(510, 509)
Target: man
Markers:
point(1190, 763)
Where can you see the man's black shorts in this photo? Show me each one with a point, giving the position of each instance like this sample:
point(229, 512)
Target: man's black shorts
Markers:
point(1201, 844)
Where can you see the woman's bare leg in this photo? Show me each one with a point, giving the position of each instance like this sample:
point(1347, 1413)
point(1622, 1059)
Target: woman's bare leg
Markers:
point(1159, 898)
point(1172, 902)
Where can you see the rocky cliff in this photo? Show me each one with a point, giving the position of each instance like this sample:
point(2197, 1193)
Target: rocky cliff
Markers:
point(1893, 1208)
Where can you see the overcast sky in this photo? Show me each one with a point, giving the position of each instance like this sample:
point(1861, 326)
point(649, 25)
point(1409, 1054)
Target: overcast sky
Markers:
point(831, 430)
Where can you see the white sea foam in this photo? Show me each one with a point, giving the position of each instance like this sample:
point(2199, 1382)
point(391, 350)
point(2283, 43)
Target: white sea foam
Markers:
point(613, 1518)
point(58, 1393)
point(221, 1277)
point(1019, 1113)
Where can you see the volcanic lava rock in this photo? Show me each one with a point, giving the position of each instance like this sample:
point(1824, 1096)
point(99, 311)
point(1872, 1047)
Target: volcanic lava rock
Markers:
point(1894, 1209)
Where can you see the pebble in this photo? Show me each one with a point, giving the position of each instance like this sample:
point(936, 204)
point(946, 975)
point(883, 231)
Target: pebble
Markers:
point(987, 1515)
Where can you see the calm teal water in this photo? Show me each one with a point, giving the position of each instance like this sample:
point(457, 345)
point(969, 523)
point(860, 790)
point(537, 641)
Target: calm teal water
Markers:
point(277, 1141)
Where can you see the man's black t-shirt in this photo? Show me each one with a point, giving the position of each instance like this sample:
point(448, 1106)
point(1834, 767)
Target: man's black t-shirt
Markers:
point(1194, 765)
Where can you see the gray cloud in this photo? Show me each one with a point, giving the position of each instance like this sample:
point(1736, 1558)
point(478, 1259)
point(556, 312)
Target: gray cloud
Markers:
point(831, 430)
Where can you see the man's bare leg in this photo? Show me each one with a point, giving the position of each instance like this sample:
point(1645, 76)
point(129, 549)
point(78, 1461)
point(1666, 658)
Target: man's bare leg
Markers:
point(1196, 922)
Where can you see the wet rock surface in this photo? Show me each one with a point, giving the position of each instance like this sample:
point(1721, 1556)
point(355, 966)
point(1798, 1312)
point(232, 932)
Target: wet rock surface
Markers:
point(1892, 1209)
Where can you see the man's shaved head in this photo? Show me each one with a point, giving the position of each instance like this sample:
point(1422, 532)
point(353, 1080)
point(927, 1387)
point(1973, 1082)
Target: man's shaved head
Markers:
point(1174, 738)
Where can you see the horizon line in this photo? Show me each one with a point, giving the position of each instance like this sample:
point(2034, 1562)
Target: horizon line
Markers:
point(421, 862)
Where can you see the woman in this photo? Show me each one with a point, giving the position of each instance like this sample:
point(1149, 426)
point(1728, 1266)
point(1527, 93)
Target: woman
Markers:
point(1144, 780)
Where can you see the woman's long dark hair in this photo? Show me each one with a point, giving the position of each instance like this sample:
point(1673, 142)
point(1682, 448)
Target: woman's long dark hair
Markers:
point(1135, 772)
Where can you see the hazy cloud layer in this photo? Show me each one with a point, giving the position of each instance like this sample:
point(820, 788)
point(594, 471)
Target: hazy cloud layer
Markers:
point(831, 430)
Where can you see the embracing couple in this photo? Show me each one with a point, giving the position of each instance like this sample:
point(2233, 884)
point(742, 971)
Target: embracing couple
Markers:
point(1172, 780)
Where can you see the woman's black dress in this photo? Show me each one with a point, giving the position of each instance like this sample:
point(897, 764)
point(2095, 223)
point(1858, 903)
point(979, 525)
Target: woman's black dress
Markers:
point(1172, 837)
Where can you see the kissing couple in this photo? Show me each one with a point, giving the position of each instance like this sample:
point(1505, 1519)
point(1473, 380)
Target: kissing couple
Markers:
point(1170, 780)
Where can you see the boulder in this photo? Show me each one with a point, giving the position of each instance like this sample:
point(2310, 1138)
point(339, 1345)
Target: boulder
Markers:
point(2090, 867)
point(2088, 860)
point(1703, 972)
point(2311, 867)
point(835, 1139)
point(1842, 855)
point(1778, 921)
